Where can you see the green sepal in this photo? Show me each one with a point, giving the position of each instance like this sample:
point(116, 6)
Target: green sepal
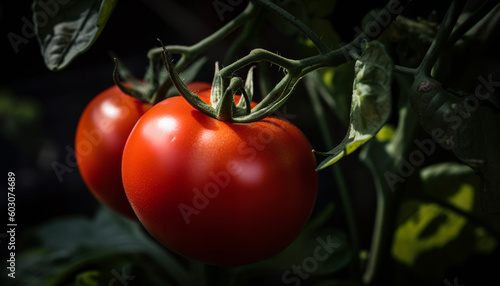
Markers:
point(192, 98)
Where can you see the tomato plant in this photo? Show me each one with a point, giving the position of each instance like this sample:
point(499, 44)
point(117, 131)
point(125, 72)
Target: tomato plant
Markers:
point(102, 131)
point(219, 192)
point(220, 179)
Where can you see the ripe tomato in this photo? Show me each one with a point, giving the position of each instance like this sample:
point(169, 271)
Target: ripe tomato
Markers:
point(101, 134)
point(222, 193)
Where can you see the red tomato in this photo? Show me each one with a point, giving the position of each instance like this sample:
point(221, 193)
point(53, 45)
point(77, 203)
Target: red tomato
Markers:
point(222, 193)
point(101, 134)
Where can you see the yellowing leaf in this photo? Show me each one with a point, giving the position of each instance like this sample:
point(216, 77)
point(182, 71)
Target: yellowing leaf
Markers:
point(408, 241)
point(431, 237)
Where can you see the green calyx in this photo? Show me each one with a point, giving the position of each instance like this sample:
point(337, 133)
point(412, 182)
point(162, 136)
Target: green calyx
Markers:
point(222, 98)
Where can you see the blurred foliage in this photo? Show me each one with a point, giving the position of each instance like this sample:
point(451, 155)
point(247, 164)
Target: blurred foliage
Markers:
point(430, 238)
point(19, 115)
point(78, 251)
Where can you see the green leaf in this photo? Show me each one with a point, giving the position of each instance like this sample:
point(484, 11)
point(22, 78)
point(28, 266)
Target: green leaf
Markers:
point(438, 225)
point(371, 101)
point(68, 246)
point(69, 29)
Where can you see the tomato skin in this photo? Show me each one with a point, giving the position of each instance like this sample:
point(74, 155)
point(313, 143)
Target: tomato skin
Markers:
point(101, 134)
point(199, 86)
point(218, 192)
point(102, 131)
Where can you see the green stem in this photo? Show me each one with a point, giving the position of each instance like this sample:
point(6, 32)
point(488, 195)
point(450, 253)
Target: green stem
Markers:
point(189, 53)
point(339, 179)
point(405, 70)
point(248, 33)
point(322, 48)
point(190, 97)
point(471, 21)
point(258, 55)
point(208, 42)
point(380, 237)
point(296, 69)
point(442, 37)
point(387, 200)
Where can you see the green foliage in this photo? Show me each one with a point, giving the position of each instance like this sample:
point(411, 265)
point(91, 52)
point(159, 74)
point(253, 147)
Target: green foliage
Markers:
point(431, 237)
point(91, 251)
point(371, 101)
point(70, 29)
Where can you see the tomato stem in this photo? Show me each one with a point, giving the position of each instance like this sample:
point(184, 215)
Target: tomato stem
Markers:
point(442, 36)
point(294, 69)
point(189, 53)
point(128, 90)
point(191, 98)
point(320, 45)
point(478, 15)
